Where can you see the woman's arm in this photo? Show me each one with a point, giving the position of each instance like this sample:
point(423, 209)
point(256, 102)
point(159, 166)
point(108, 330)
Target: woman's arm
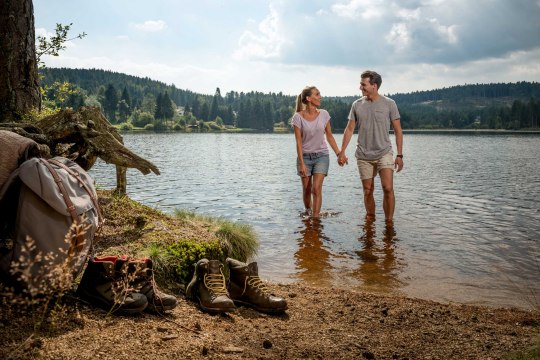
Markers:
point(299, 152)
point(330, 139)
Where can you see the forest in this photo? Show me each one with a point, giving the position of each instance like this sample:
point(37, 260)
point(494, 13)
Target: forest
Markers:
point(135, 102)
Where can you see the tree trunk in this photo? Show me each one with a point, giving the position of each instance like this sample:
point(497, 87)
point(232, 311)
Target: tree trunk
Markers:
point(19, 87)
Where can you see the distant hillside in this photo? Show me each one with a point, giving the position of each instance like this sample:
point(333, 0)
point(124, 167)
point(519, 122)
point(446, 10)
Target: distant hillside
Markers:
point(91, 80)
point(498, 106)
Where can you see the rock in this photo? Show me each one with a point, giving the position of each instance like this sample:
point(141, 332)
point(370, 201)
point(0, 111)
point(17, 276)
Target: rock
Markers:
point(169, 337)
point(204, 351)
point(267, 344)
point(232, 350)
point(368, 355)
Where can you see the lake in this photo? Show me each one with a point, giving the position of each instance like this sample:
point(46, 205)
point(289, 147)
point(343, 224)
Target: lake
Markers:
point(467, 219)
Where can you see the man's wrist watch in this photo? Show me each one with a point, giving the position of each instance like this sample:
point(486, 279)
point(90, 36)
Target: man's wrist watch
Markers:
point(399, 156)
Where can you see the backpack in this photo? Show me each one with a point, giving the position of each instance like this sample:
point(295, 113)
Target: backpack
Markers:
point(49, 215)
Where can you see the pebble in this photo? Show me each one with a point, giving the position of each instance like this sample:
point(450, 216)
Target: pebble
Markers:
point(232, 349)
point(169, 337)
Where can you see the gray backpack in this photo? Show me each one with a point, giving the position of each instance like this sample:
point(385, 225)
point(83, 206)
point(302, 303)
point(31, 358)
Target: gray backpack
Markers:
point(40, 206)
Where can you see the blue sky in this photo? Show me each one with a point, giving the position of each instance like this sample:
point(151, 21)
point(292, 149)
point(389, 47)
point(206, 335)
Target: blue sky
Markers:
point(284, 45)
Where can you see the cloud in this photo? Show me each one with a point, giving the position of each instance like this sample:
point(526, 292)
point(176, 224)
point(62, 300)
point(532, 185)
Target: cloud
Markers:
point(151, 25)
point(264, 44)
point(374, 32)
point(363, 9)
point(282, 45)
point(43, 33)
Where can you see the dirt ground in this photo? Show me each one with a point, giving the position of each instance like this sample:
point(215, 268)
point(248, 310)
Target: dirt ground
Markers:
point(321, 323)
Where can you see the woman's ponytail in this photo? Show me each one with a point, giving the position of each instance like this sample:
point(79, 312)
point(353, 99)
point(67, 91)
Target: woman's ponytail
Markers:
point(299, 104)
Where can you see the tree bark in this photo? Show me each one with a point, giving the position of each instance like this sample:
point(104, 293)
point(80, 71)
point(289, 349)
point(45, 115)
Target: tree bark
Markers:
point(19, 86)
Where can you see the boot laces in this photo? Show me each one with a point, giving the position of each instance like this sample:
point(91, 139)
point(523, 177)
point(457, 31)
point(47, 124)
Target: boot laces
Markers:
point(216, 283)
point(256, 283)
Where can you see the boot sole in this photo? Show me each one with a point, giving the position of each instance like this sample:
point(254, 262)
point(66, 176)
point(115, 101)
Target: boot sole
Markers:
point(159, 308)
point(258, 308)
point(93, 300)
point(216, 311)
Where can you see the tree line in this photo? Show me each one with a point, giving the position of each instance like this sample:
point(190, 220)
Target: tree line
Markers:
point(143, 102)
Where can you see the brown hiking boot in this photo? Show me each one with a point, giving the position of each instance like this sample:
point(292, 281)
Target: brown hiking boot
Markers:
point(208, 286)
point(104, 284)
point(141, 280)
point(246, 288)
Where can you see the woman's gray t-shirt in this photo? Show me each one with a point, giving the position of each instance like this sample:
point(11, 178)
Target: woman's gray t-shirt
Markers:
point(313, 139)
point(373, 120)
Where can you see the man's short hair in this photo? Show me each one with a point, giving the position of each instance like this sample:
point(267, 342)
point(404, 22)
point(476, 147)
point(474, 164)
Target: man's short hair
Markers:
point(374, 77)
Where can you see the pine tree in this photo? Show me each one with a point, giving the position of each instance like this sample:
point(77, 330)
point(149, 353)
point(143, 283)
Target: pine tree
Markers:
point(228, 118)
point(205, 111)
point(217, 100)
point(125, 96)
point(158, 114)
point(196, 107)
point(123, 110)
point(110, 103)
point(167, 107)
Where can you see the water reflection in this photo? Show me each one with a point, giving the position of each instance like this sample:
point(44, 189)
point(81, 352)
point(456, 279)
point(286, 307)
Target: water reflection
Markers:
point(313, 257)
point(378, 268)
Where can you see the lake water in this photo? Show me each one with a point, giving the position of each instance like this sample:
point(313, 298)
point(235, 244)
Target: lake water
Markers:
point(467, 219)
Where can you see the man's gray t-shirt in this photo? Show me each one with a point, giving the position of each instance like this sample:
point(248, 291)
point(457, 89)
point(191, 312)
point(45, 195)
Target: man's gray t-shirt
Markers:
point(373, 119)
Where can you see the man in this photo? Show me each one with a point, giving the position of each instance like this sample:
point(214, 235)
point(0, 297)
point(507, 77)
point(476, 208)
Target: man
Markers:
point(373, 114)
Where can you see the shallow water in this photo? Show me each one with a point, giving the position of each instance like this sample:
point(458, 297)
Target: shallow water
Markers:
point(466, 227)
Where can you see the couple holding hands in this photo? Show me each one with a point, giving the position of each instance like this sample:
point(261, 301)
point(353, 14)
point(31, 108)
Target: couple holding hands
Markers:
point(373, 115)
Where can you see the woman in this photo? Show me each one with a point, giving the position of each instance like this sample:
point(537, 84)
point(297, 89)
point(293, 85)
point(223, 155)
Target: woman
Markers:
point(311, 124)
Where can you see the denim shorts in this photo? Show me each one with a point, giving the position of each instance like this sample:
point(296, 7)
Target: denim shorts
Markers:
point(316, 163)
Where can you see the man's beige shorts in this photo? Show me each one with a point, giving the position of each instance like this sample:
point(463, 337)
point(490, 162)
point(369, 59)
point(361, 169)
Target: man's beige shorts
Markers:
point(368, 169)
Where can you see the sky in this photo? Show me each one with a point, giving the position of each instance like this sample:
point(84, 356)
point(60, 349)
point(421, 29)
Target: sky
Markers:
point(285, 45)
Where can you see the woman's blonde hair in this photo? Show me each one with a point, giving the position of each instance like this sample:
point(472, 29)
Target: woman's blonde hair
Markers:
point(301, 99)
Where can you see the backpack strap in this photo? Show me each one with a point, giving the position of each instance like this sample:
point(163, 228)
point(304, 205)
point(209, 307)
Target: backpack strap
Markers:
point(83, 184)
point(60, 183)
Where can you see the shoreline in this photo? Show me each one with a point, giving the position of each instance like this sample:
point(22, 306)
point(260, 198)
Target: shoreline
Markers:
point(470, 132)
point(320, 323)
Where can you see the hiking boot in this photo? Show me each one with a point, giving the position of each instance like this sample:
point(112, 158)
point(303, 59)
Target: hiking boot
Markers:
point(104, 284)
point(208, 286)
point(246, 288)
point(141, 280)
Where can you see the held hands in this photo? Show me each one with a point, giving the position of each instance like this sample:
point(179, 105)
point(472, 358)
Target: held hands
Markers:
point(342, 159)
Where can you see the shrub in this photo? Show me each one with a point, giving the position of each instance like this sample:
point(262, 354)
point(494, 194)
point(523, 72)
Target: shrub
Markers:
point(213, 126)
point(141, 118)
point(126, 126)
point(184, 254)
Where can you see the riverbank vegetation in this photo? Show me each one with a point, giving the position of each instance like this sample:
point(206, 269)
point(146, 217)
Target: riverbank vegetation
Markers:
point(175, 243)
point(141, 103)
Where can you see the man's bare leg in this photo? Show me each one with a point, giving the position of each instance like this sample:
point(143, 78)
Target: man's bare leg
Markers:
point(389, 200)
point(369, 200)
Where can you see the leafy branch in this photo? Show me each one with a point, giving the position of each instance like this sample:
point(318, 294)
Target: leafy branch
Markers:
point(56, 43)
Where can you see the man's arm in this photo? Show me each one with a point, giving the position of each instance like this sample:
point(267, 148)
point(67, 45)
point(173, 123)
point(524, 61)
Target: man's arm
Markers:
point(347, 134)
point(398, 132)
